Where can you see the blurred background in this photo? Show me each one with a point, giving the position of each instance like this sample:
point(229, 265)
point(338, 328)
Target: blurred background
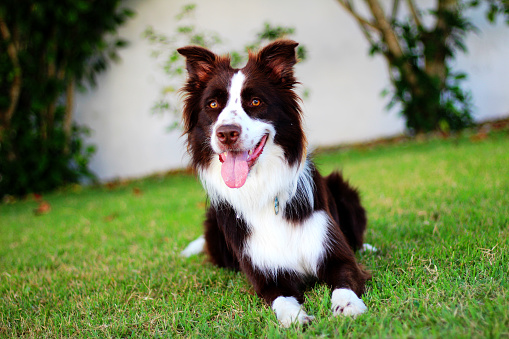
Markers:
point(131, 110)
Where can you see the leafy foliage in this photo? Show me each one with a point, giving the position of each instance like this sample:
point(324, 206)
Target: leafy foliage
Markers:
point(46, 49)
point(187, 33)
point(435, 101)
point(419, 56)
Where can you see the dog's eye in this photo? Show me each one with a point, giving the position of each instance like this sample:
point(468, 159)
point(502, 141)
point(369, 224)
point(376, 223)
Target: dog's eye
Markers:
point(256, 102)
point(213, 104)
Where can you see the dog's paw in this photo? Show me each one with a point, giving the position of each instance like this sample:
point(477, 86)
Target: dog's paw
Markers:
point(195, 247)
point(345, 302)
point(289, 311)
point(368, 248)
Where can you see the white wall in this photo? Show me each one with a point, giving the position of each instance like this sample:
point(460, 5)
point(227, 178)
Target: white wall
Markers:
point(487, 66)
point(345, 83)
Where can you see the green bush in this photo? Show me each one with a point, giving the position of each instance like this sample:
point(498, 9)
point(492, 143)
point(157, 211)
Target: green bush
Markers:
point(47, 50)
point(419, 48)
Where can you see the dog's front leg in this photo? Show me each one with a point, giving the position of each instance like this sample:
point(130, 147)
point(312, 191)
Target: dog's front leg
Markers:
point(346, 280)
point(283, 291)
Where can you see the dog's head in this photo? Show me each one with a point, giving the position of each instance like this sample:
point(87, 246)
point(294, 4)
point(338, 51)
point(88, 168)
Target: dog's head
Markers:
point(237, 115)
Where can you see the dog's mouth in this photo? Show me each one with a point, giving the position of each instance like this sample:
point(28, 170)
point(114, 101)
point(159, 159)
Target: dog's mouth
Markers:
point(236, 164)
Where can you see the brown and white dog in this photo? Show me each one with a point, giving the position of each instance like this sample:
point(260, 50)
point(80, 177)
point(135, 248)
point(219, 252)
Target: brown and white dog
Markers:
point(271, 214)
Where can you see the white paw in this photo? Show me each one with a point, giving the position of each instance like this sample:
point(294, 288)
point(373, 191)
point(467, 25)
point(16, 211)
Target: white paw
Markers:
point(289, 311)
point(195, 247)
point(345, 301)
point(368, 248)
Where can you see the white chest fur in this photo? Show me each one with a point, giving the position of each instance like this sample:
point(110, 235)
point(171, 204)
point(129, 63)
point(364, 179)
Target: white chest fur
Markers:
point(276, 244)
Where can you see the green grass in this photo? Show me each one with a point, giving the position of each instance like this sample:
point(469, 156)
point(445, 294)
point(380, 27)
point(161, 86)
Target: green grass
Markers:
point(104, 262)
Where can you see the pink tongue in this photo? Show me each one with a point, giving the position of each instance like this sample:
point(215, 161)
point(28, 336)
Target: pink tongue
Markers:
point(234, 169)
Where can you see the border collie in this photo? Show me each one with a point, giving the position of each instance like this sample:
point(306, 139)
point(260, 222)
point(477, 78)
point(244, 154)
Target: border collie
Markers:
point(271, 214)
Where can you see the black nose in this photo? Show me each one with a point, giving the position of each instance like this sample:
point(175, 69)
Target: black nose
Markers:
point(228, 134)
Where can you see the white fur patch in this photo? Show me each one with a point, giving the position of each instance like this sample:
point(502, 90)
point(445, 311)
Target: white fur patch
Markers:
point(345, 302)
point(305, 181)
point(368, 248)
point(274, 243)
point(289, 311)
point(195, 247)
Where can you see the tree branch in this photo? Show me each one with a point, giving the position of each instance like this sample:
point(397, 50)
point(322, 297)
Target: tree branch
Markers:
point(395, 8)
point(394, 51)
point(415, 14)
point(362, 21)
point(385, 28)
point(368, 35)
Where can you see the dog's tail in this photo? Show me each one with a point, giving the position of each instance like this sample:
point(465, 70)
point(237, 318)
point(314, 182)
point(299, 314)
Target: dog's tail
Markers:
point(352, 216)
point(195, 247)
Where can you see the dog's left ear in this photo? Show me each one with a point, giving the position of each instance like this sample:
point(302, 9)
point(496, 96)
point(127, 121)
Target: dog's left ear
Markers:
point(279, 57)
point(199, 61)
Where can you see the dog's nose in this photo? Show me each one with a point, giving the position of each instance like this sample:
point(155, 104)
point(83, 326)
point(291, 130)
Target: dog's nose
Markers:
point(228, 134)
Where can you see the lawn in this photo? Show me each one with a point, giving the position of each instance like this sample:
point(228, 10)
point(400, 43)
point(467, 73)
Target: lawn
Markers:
point(104, 261)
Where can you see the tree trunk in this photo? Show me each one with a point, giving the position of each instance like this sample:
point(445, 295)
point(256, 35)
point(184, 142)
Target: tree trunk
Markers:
point(435, 43)
point(69, 106)
point(17, 81)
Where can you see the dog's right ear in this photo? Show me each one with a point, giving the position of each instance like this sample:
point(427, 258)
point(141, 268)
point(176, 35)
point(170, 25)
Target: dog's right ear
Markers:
point(279, 57)
point(199, 61)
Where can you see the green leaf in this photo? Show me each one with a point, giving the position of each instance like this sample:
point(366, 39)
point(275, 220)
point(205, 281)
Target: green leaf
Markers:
point(460, 76)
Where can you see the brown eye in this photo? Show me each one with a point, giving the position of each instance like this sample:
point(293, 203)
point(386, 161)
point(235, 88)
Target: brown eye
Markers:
point(213, 104)
point(255, 102)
